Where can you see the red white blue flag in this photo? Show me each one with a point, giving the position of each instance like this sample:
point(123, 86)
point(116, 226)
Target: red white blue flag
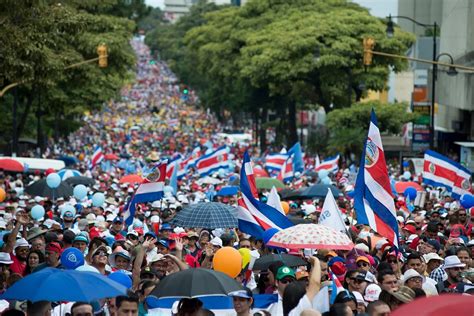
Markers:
point(329, 164)
point(150, 190)
point(213, 161)
point(274, 162)
point(254, 216)
point(287, 172)
point(173, 163)
point(97, 157)
point(373, 199)
point(440, 171)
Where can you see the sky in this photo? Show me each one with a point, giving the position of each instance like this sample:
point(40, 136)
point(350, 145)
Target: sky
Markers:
point(379, 8)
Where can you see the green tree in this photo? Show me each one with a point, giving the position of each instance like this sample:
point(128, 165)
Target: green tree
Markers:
point(348, 127)
point(39, 40)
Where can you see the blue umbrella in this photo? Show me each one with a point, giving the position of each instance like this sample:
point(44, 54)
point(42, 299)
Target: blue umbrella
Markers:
point(69, 160)
point(207, 215)
point(53, 285)
point(68, 173)
point(228, 191)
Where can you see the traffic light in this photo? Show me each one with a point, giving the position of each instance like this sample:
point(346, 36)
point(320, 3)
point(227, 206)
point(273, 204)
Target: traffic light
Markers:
point(102, 52)
point(369, 44)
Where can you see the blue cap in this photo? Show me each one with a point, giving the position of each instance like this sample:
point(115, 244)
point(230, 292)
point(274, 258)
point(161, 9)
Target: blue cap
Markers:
point(164, 243)
point(336, 259)
point(166, 226)
point(152, 234)
point(118, 219)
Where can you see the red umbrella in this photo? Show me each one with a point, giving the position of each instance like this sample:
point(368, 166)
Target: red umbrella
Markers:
point(111, 157)
point(445, 304)
point(401, 186)
point(131, 178)
point(260, 172)
point(8, 164)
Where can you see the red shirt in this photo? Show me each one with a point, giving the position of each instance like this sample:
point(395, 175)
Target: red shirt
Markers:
point(17, 266)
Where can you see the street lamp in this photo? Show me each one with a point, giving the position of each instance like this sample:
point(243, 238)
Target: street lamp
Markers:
point(390, 32)
point(451, 70)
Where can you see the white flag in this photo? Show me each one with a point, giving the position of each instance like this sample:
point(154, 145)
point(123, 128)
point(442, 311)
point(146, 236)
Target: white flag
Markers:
point(317, 162)
point(273, 199)
point(331, 215)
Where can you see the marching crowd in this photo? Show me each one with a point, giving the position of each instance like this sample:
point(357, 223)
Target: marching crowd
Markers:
point(154, 120)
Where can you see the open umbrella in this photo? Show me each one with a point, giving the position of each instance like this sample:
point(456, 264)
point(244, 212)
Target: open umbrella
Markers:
point(131, 178)
point(69, 160)
point(8, 164)
point(111, 157)
point(207, 215)
point(258, 171)
point(40, 188)
point(194, 283)
point(263, 263)
point(208, 180)
point(288, 194)
point(313, 236)
point(52, 285)
point(269, 183)
point(80, 180)
point(317, 191)
point(228, 191)
point(401, 186)
point(68, 173)
point(446, 304)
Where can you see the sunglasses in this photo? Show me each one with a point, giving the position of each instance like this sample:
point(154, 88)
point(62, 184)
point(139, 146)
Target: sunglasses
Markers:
point(286, 281)
point(456, 269)
point(100, 253)
point(362, 264)
point(132, 237)
point(357, 280)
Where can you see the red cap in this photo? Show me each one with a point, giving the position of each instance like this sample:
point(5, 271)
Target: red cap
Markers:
point(54, 247)
point(410, 229)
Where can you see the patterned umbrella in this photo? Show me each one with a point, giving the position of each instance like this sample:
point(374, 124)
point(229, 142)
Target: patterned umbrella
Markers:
point(312, 236)
point(207, 215)
point(268, 183)
point(68, 173)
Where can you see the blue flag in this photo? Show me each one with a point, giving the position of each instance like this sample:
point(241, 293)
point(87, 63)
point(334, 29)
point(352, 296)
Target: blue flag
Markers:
point(298, 164)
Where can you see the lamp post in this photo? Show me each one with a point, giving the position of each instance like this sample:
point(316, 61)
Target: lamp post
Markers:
point(390, 31)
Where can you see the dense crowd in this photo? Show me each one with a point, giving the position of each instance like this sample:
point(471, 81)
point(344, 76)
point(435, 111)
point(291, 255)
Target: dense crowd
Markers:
point(155, 120)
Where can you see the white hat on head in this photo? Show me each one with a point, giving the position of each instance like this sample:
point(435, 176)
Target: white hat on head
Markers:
point(22, 242)
point(432, 256)
point(216, 241)
point(411, 273)
point(372, 292)
point(453, 262)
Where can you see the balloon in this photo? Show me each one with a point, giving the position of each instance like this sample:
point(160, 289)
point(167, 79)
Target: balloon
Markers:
point(228, 260)
point(406, 175)
point(323, 173)
point(120, 277)
point(49, 171)
point(3, 195)
point(268, 234)
point(222, 172)
point(68, 208)
point(467, 200)
point(98, 199)
point(53, 180)
point(80, 191)
point(285, 206)
point(410, 192)
point(37, 212)
point(72, 258)
point(245, 253)
point(87, 268)
point(326, 181)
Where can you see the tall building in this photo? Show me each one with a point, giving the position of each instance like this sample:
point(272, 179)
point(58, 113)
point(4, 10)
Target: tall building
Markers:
point(174, 9)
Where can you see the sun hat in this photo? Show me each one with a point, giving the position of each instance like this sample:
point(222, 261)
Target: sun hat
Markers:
point(35, 232)
point(216, 241)
point(21, 243)
point(284, 272)
point(359, 297)
point(362, 258)
point(409, 274)
point(5, 258)
point(432, 256)
point(453, 262)
point(245, 293)
point(156, 257)
point(404, 294)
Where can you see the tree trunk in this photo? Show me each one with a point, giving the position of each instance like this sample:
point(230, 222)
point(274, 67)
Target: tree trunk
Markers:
point(292, 130)
point(263, 130)
point(24, 115)
point(14, 127)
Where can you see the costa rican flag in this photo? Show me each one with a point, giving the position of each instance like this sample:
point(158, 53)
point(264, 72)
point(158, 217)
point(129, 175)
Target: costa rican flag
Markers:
point(173, 163)
point(97, 157)
point(254, 216)
point(373, 199)
point(274, 162)
point(213, 161)
point(287, 173)
point(439, 170)
point(195, 155)
point(330, 164)
point(150, 190)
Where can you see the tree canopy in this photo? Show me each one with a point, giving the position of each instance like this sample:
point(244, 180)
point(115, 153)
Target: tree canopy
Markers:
point(288, 53)
point(39, 40)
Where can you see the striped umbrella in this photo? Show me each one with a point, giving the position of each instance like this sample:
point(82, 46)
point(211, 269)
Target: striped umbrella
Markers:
point(68, 173)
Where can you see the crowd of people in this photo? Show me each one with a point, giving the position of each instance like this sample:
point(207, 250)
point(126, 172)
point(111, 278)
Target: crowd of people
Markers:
point(153, 120)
